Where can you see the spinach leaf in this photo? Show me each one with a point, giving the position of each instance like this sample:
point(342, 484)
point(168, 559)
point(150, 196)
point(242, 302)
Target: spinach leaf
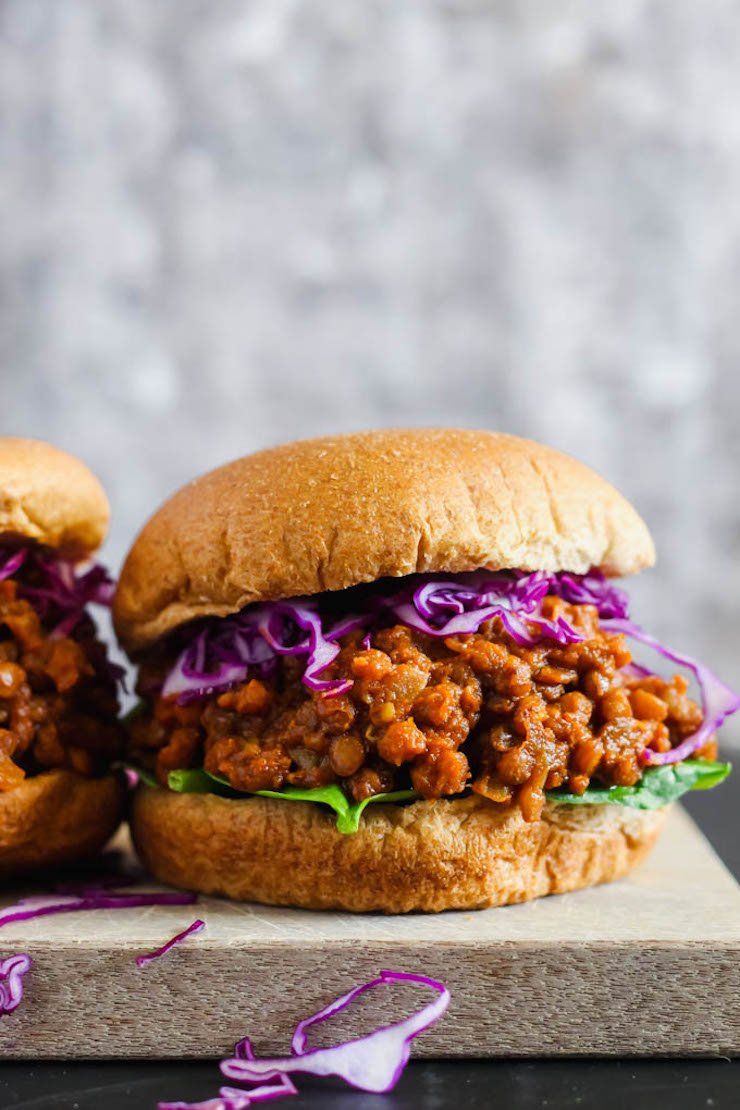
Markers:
point(658, 786)
point(348, 813)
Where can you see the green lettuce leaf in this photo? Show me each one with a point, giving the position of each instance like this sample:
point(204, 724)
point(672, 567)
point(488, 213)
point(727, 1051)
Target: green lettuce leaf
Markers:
point(348, 813)
point(658, 786)
point(198, 781)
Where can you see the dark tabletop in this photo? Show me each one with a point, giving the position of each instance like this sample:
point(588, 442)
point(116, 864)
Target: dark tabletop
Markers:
point(469, 1084)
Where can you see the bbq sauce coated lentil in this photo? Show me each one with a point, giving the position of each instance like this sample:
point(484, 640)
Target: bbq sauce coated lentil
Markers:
point(58, 705)
point(472, 711)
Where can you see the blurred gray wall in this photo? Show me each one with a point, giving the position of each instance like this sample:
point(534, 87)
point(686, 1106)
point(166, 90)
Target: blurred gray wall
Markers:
point(227, 224)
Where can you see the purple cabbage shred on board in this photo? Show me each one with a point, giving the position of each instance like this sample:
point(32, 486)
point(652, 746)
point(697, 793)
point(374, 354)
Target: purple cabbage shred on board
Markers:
point(223, 652)
point(371, 1063)
point(12, 971)
point(91, 898)
point(194, 927)
point(93, 895)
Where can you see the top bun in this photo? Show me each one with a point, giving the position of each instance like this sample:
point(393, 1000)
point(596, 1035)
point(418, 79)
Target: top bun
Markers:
point(51, 497)
point(325, 514)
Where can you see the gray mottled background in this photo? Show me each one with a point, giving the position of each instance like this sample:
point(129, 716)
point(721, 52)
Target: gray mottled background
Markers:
point(228, 224)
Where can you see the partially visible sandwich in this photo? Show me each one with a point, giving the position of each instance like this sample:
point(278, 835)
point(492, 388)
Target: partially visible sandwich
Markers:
point(59, 727)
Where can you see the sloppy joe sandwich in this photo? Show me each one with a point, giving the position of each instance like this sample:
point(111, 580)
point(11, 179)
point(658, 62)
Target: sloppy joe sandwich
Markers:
point(391, 671)
point(59, 729)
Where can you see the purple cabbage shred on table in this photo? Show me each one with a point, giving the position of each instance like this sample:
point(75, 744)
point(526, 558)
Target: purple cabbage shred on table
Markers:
point(372, 1063)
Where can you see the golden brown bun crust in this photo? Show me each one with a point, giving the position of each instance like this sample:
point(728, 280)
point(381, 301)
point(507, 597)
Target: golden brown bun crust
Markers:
point(324, 514)
point(57, 817)
point(50, 496)
point(464, 854)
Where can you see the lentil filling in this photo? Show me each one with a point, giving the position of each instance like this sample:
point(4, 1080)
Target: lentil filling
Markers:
point(474, 711)
point(58, 702)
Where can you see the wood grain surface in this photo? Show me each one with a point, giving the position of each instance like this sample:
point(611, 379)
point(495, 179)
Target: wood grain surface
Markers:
point(646, 966)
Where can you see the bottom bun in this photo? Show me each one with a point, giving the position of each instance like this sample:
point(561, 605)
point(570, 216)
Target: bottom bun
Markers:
point(430, 856)
point(57, 817)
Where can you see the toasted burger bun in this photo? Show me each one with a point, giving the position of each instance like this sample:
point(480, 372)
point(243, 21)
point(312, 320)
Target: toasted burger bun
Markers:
point(57, 817)
point(462, 854)
point(51, 497)
point(325, 514)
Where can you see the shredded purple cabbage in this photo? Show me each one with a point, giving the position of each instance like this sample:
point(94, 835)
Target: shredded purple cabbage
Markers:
point(591, 589)
point(277, 624)
point(12, 971)
point(97, 895)
point(194, 927)
point(219, 656)
point(718, 700)
point(371, 1063)
point(278, 1087)
point(230, 1098)
point(224, 652)
point(91, 898)
point(459, 607)
point(225, 1101)
point(13, 563)
point(233, 1098)
point(62, 593)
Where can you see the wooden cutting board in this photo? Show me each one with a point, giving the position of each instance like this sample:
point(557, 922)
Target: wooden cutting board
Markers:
point(646, 966)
